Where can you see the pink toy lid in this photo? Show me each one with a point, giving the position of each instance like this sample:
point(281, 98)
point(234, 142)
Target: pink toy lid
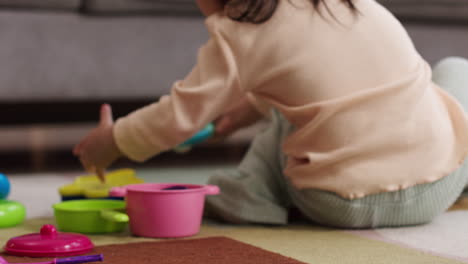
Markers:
point(49, 243)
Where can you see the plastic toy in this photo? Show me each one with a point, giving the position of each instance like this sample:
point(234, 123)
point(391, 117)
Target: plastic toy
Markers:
point(70, 260)
point(49, 243)
point(165, 210)
point(12, 213)
point(91, 216)
point(90, 187)
point(202, 135)
point(4, 186)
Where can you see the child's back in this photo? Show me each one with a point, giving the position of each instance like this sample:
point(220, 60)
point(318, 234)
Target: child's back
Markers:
point(366, 113)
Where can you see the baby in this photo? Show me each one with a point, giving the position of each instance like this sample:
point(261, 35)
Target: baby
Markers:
point(363, 133)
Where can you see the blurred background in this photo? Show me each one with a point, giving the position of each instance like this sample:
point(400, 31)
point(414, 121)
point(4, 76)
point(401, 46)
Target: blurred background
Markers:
point(61, 59)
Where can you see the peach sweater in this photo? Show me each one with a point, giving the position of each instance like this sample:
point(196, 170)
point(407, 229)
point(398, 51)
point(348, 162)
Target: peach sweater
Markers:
point(368, 118)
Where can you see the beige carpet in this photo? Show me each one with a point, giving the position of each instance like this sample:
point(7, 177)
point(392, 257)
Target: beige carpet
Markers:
point(444, 240)
point(309, 244)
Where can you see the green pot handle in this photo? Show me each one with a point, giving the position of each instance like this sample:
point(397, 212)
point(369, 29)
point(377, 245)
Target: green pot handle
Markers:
point(114, 216)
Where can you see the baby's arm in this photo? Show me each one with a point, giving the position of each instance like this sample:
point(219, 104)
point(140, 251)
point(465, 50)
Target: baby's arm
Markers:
point(211, 87)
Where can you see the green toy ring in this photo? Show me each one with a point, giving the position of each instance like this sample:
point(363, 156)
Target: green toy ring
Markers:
point(12, 213)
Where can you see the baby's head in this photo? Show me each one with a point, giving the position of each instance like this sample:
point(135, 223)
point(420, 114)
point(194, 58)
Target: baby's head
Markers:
point(240, 10)
point(251, 11)
point(208, 7)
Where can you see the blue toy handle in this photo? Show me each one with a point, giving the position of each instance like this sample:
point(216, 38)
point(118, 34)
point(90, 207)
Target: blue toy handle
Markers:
point(201, 136)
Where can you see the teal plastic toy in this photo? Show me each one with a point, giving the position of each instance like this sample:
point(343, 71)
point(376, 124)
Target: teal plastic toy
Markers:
point(202, 135)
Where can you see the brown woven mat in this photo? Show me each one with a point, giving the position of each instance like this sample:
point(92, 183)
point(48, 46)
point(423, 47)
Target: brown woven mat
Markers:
point(204, 250)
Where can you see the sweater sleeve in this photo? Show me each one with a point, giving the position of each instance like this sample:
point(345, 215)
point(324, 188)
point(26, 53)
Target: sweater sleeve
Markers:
point(210, 87)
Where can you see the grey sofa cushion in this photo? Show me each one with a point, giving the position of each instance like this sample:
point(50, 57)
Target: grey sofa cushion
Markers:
point(428, 9)
point(60, 56)
point(41, 4)
point(140, 6)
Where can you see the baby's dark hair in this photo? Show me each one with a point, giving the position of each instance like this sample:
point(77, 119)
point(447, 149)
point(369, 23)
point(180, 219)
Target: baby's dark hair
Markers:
point(259, 11)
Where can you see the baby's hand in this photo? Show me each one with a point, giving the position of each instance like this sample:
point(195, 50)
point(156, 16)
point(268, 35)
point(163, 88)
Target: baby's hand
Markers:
point(98, 149)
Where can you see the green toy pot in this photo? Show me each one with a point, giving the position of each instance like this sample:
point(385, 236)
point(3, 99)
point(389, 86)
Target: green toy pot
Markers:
point(91, 216)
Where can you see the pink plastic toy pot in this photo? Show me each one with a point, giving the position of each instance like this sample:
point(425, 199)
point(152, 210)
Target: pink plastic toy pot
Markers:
point(165, 210)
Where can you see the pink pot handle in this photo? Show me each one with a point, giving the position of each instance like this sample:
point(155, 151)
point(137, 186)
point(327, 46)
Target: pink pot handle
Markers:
point(211, 189)
point(117, 192)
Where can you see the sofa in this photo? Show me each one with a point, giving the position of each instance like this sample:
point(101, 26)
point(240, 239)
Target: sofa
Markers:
point(60, 59)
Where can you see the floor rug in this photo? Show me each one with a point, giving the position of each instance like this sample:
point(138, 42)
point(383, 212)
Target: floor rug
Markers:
point(441, 242)
point(446, 236)
point(204, 250)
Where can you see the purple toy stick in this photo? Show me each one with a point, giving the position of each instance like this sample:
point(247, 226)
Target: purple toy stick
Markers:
point(71, 260)
point(79, 259)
